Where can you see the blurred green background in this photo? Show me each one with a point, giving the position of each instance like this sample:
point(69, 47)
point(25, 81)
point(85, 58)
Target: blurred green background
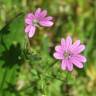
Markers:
point(24, 73)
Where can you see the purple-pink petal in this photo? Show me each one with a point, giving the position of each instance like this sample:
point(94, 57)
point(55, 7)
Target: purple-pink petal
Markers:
point(58, 55)
point(68, 42)
point(37, 12)
point(27, 29)
point(69, 65)
point(77, 63)
point(75, 45)
point(58, 48)
point(46, 23)
point(30, 16)
point(80, 58)
point(63, 65)
point(28, 21)
point(48, 18)
point(32, 31)
point(43, 13)
point(79, 49)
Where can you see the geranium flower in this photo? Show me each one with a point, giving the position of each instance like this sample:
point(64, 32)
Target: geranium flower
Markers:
point(34, 20)
point(69, 54)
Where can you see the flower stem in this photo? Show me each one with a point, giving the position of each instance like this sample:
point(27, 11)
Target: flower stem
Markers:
point(27, 44)
point(52, 65)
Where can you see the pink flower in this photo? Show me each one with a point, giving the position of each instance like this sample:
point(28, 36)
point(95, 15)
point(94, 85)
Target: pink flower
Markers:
point(34, 20)
point(69, 54)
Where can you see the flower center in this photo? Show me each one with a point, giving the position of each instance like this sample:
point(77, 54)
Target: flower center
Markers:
point(35, 22)
point(66, 55)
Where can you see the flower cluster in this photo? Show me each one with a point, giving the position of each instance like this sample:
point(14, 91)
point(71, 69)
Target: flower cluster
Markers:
point(66, 52)
point(69, 54)
point(34, 20)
